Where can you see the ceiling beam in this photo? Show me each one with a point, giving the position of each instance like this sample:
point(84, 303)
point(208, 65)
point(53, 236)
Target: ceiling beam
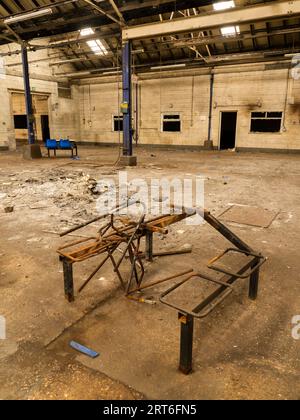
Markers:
point(117, 10)
point(131, 11)
point(213, 39)
point(273, 10)
point(103, 12)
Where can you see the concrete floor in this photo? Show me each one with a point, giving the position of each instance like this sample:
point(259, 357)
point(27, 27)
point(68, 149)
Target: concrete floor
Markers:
point(243, 350)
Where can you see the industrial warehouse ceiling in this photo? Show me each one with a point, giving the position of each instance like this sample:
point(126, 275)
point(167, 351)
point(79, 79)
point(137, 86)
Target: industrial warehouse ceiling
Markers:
point(99, 46)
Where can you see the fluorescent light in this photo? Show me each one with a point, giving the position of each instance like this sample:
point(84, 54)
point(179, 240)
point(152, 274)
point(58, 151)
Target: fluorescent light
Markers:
point(140, 51)
point(230, 30)
point(107, 73)
point(224, 5)
point(171, 66)
point(27, 16)
point(79, 73)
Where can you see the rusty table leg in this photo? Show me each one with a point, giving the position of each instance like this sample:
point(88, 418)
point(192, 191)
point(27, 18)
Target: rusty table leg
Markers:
point(186, 343)
point(149, 246)
point(68, 280)
point(254, 282)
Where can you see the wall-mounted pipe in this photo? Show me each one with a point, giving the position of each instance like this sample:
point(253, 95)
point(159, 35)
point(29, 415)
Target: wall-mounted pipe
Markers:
point(137, 114)
point(211, 95)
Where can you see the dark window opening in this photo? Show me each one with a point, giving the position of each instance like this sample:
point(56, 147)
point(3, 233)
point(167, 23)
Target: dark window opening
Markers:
point(64, 92)
point(265, 126)
point(171, 123)
point(172, 126)
point(118, 123)
point(20, 122)
point(266, 122)
point(171, 117)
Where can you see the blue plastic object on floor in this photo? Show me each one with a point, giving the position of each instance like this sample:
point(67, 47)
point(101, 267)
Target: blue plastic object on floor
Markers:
point(85, 350)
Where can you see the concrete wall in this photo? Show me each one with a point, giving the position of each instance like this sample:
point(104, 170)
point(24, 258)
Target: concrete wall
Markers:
point(247, 91)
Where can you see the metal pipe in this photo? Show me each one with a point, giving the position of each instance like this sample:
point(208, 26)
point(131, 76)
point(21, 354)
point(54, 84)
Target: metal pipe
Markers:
point(28, 97)
point(156, 283)
point(103, 12)
point(211, 94)
point(137, 115)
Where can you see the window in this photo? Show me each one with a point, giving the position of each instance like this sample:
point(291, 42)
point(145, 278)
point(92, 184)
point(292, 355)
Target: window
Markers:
point(266, 122)
point(230, 30)
point(171, 123)
point(20, 122)
point(64, 92)
point(118, 123)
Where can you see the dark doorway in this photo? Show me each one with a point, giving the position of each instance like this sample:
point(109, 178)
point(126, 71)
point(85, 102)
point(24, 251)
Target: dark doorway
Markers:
point(45, 127)
point(228, 130)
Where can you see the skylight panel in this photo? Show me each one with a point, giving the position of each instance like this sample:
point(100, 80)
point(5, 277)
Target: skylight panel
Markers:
point(230, 30)
point(224, 5)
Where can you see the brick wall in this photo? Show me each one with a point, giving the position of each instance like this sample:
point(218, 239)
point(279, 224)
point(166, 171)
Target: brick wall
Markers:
point(244, 92)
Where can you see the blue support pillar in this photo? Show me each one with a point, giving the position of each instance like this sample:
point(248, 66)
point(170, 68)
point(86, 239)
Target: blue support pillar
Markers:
point(128, 157)
point(28, 98)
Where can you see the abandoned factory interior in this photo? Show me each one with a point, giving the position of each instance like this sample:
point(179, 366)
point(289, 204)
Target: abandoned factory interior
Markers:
point(149, 202)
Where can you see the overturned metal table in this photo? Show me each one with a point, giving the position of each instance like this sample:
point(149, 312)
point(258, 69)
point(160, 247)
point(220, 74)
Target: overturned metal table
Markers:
point(130, 233)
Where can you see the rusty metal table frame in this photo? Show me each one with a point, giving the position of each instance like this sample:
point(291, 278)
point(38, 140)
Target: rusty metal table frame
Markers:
point(108, 243)
point(250, 270)
point(132, 234)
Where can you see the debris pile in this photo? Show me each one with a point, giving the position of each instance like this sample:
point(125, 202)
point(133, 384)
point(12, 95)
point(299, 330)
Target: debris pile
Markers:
point(49, 188)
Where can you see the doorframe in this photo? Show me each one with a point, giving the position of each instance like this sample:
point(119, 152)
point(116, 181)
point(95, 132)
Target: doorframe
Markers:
point(220, 126)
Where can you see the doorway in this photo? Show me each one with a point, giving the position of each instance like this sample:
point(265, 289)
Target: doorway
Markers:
point(45, 127)
point(228, 130)
point(41, 115)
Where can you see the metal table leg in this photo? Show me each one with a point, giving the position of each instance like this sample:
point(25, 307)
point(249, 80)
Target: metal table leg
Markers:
point(186, 343)
point(68, 280)
point(254, 282)
point(149, 246)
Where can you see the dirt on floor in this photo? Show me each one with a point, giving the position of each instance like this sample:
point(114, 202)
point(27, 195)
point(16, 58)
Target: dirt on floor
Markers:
point(243, 350)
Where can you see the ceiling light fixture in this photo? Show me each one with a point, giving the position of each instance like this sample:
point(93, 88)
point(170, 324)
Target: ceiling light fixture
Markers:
point(110, 73)
point(171, 66)
point(79, 73)
point(27, 16)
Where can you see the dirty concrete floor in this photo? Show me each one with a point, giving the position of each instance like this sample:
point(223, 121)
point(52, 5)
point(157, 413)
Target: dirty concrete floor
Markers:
point(244, 350)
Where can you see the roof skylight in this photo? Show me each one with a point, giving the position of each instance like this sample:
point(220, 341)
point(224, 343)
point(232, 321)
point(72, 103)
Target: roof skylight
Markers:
point(95, 45)
point(224, 5)
point(230, 30)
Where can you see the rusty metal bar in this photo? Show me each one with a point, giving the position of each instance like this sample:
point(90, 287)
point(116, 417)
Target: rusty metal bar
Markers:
point(175, 276)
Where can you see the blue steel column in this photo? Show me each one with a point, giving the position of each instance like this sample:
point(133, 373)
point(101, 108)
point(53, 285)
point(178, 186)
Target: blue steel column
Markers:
point(28, 98)
point(127, 98)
